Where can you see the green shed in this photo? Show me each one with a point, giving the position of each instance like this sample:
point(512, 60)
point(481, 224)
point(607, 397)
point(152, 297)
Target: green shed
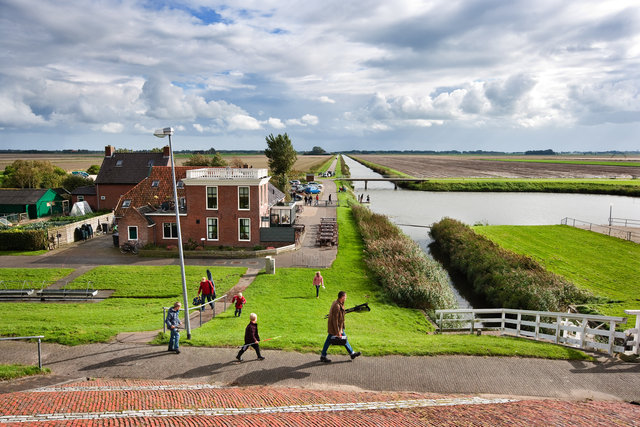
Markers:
point(35, 202)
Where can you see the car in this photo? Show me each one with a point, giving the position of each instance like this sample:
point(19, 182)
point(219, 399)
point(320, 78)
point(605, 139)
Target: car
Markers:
point(294, 182)
point(312, 189)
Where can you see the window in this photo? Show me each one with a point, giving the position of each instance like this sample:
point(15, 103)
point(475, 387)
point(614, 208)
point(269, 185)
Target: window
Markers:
point(81, 198)
point(244, 229)
point(118, 163)
point(150, 163)
point(103, 197)
point(155, 183)
point(212, 228)
point(126, 203)
point(132, 232)
point(180, 184)
point(243, 198)
point(169, 230)
point(212, 197)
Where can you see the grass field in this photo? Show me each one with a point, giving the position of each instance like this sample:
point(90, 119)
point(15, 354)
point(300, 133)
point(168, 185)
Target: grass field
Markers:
point(146, 291)
point(10, 372)
point(606, 266)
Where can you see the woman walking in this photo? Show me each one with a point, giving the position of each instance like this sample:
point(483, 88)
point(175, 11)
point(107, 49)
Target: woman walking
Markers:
point(318, 281)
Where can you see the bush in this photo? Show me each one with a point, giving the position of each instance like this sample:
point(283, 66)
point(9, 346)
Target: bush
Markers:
point(408, 276)
point(23, 240)
point(503, 278)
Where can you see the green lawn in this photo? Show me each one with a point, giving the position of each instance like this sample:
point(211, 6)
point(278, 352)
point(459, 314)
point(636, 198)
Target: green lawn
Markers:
point(23, 253)
point(34, 275)
point(606, 266)
point(9, 372)
point(146, 291)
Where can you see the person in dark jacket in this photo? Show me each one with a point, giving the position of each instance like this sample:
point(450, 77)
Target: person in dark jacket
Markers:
point(335, 328)
point(251, 337)
point(173, 321)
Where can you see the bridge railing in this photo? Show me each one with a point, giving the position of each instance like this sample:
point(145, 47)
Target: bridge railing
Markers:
point(603, 229)
point(588, 332)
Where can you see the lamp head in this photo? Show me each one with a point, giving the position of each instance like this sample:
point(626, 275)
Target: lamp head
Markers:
point(161, 133)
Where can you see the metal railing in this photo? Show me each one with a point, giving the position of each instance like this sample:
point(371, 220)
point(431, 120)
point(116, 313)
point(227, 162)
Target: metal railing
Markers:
point(227, 173)
point(604, 229)
point(575, 330)
point(195, 307)
point(39, 337)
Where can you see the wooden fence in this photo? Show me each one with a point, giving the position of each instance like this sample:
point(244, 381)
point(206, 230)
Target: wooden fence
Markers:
point(589, 332)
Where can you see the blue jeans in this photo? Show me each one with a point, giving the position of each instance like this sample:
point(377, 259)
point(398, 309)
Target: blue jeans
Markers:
point(174, 340)
point(209, 298)
point(327, 343)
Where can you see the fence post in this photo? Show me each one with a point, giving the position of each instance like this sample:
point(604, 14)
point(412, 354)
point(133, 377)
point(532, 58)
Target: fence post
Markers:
point(584, 332)
point(518, 324)
point(537, 326)
point(636, 334)
point(558, 321)
point(39, 354)
point(440, 321)
point(612, 335)
point(473, 320)
point(502, 323)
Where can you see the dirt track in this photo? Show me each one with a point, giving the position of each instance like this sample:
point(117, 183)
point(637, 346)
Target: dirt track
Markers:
point(476, 167)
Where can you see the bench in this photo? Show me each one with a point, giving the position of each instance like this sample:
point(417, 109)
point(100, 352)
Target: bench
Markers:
point(67, 293)
point(15, 293)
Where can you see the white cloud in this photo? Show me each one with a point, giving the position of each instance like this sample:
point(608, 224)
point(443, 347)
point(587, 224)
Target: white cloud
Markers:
point(326, 100)
point(243, 122)
point(112, 127)
point(275, 123)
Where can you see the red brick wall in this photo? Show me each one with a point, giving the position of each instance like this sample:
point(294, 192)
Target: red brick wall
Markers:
point(92, 200)
point(133, 218)
point(111, 193)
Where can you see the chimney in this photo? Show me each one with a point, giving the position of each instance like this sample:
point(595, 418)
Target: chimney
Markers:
point(109, 150)
point(165, 152)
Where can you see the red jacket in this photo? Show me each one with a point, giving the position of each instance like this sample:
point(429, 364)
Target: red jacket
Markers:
point(240, 301)
point(206, 288)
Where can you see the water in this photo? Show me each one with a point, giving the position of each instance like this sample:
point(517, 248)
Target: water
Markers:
point(422, 208)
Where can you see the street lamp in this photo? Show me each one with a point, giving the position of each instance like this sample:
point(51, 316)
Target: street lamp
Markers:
point(610, 214)
point(161, 133)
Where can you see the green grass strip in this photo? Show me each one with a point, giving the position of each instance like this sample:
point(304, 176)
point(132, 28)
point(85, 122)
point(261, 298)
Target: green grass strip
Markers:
point(606, 266)
point(571, 162)
point(10, 372)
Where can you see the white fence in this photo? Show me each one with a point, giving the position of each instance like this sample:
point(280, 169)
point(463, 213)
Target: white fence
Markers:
point(589, 332)
point(228, 173)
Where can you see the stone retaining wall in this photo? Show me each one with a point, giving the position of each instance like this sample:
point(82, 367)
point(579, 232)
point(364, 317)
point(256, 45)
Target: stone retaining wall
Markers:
point(67, 231)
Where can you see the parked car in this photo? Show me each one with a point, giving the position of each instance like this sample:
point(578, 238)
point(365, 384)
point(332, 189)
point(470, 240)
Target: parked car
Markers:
point(312, 189)
point(294, 182)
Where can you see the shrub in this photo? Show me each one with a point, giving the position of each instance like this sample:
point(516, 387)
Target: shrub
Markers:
point(408, 276)
point(503, 278)
point(23, 240)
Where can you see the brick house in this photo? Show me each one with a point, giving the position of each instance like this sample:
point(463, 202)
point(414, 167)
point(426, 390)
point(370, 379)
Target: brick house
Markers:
point(218, 207)
point(86, 193)
point(120, 172)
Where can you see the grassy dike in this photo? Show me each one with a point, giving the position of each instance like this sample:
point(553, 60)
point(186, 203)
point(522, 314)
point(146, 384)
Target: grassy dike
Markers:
point(581, 186)
point(605, 266)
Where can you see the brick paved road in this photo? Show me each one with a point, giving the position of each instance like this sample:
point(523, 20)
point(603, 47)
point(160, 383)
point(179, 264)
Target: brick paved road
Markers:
point(130, 402)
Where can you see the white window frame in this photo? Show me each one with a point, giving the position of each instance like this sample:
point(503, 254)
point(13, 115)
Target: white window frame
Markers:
point(173, 224)
point(80, 198)
point(207, 197)
point(126, 203)
point(240, 239)
point(248, 198)
point(129, 229)
point(217, 221)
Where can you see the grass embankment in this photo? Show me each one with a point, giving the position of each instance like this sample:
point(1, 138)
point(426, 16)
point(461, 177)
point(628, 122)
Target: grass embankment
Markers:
point(605, 266)
point(503, 278)
point(408, 276)
point(619, 187)
point(10, 372)
point(287, 307)
point(36, 276)
point(143, 291)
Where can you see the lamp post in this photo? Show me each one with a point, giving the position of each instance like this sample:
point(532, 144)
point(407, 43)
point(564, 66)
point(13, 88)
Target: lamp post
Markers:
point(610, 214)
point(161, 133)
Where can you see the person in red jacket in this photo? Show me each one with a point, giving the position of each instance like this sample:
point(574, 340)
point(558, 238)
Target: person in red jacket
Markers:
point(251, 338)
point(240, 302)
point(208, 290)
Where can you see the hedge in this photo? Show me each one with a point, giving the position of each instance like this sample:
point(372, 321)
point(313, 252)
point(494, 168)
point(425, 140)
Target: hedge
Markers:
point(23, 240)
point(503, 278)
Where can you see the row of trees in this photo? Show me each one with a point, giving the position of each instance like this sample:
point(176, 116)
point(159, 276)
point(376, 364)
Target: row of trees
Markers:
point(42, 174)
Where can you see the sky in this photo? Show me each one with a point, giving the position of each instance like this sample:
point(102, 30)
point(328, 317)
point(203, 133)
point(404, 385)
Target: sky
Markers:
point(438, 75)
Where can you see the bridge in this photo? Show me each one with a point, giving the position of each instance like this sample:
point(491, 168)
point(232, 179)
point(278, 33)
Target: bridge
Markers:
point(394, 180)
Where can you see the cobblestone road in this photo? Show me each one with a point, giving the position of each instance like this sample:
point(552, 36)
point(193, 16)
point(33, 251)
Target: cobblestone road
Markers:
point(130, 402)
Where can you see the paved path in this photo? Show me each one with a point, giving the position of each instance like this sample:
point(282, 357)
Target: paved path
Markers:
point(178, 403)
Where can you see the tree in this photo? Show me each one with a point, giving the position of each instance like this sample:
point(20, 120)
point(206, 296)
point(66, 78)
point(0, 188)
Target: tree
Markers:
point(71, 182)
point(236, 162)
point(202, 160)
point(281, 154)
point(33, 174)
point(93, 169)
point(217, 160)
point(317, 150)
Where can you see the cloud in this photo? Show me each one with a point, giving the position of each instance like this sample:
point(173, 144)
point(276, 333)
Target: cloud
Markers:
point(275, 123)
point(243, 122)
point(326, 100)
point(112, 127)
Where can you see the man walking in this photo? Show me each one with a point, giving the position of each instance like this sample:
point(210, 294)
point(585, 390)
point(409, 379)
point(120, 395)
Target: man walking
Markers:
point(173, 321)
point(335, 328)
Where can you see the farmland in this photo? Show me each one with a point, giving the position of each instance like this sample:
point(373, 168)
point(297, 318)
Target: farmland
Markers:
point(582, 167)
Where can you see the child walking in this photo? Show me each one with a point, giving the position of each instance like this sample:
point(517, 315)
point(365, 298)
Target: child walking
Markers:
point(251, 338)
point(240, 302)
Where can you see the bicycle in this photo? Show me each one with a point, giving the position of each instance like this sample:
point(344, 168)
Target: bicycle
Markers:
point(131, 247)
